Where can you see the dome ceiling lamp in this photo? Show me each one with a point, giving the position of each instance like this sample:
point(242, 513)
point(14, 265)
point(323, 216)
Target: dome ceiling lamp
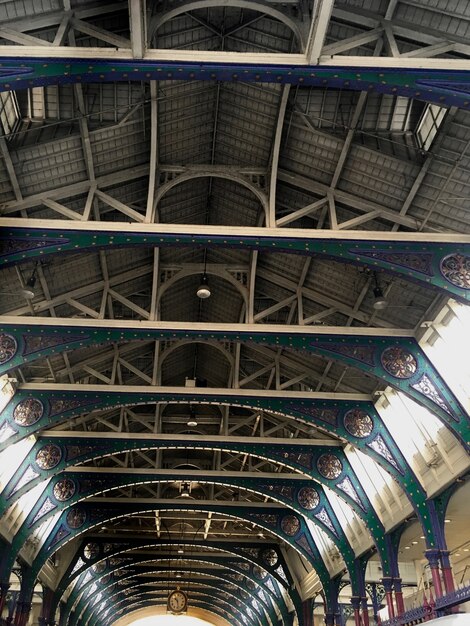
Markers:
point(203, 291)
point(192, 420)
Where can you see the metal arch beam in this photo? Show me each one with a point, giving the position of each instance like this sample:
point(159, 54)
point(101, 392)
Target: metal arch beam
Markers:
point(270, 486)
point(255, 5)
point(122, 547)
point(260, 514)
point(178, 344)
point(139, 569)
point(295, 456)
point(210, 171)
point(140, 598)
point(129, 565)
point(413, 256)
point(327, 411)
point(393, 356)
point(136, 602)
point(142, 580)
point(212, 269)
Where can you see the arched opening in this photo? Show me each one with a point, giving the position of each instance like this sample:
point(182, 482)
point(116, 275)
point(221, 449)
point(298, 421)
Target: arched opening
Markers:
point(157, 616)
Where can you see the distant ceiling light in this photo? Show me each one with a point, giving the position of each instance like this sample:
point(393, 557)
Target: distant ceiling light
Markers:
point(466, 549)
point(261, 535)
point(28, 290)
point(447, 520)
point(185, 490)
point(380, 302)
point(415, 543)
point(180, 551)
point(407, 547)
point(178, 575)
point(457, 554)
point(203, 291)
point(192, 421)
point(422, 537)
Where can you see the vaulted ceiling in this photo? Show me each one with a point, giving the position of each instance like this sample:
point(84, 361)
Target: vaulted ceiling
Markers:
point(301, 155)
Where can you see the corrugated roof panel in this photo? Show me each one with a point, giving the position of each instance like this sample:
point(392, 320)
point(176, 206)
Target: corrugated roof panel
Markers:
point(51, 165)
point(310, 153)
point(440, 15)
point(377, 177)
point(25, 8)
point(119, 147)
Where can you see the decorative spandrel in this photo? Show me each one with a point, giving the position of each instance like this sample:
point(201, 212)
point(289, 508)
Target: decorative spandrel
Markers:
point(64, 489)
point(75, 518)
point(6, 431)
point(456, 269)
point(426, 387)
point(270, 557)
point(28, 412)
point(378, 445)
point(8, 348)
point(290, 525)
point(358, 423)
point(329, 466)
point(399, 362)
point(308, 498)
point(48, 456)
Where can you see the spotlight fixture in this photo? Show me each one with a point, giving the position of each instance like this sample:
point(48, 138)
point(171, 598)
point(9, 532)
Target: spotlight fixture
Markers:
point(380, 301)
point(203, 291)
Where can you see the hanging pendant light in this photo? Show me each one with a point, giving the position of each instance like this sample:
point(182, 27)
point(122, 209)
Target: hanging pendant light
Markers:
point(28, 290)
point(380, 302)
point(192, 421)
point(203, 291)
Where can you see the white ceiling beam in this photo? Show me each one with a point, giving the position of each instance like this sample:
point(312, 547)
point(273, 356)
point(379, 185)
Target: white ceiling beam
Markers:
point(338, 47)
point(271, 216)
point(75, 189)
point(275, 307)
point(57, 226)
point(318, 29)
point(61, 209)
point(138, 24)
point(350, 200)
point(306, 210)
point(430, 51)
point(22, 38)
point(62, 30)
point(119, 206)
point(205, 327)
point(174, 437)
point(5, 153)
point(153, 165)
point(203, 57)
